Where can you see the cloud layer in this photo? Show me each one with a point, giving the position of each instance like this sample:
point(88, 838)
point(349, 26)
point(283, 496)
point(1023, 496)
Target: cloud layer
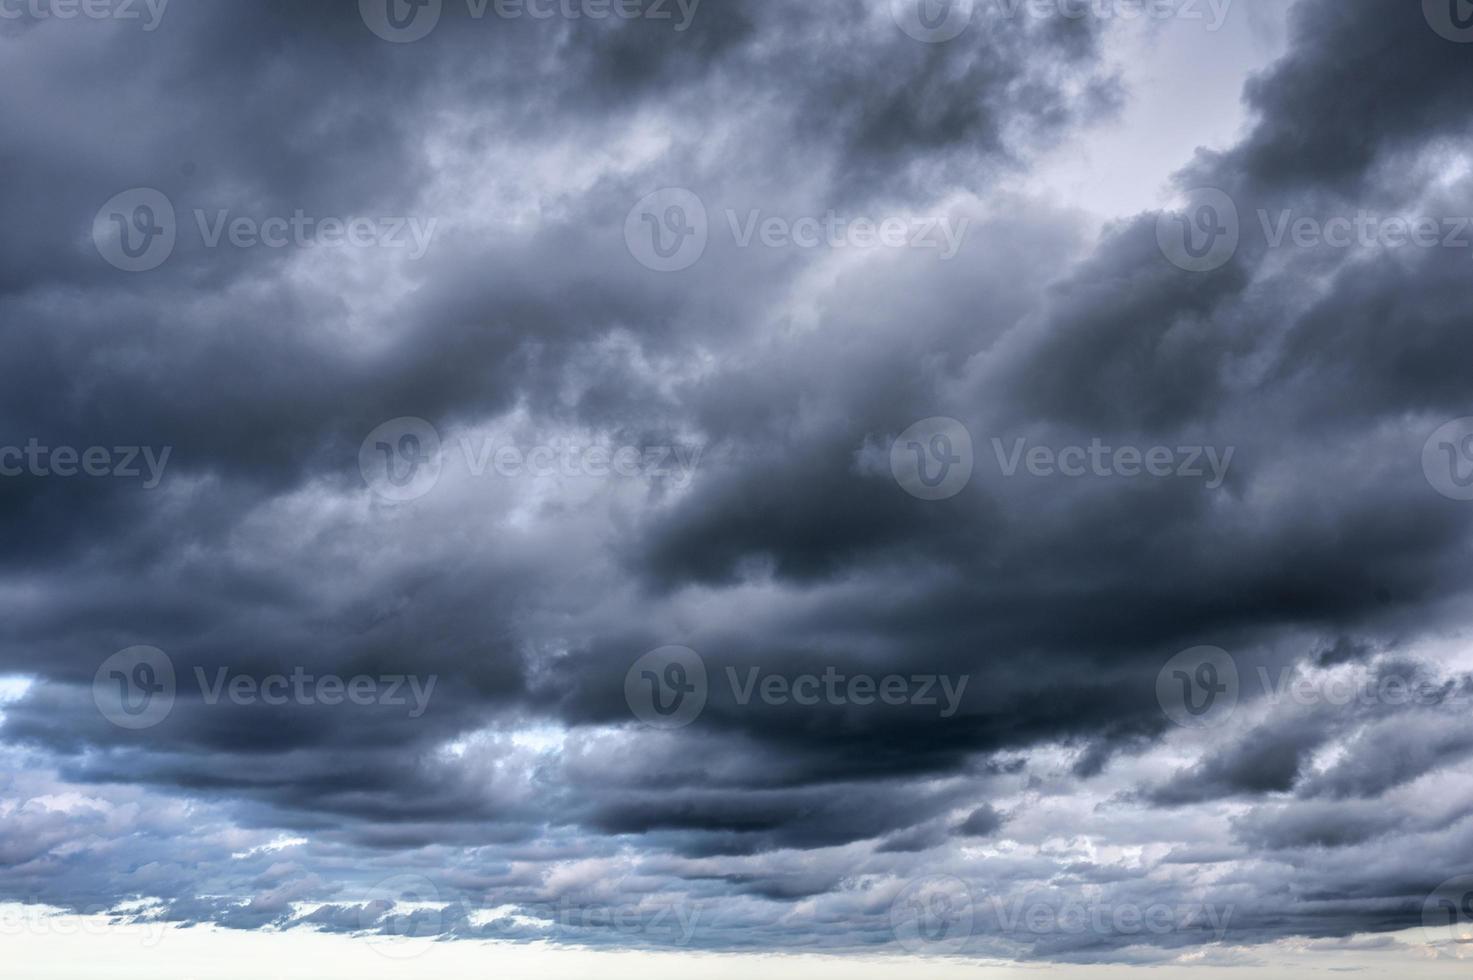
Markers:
point(930, 725)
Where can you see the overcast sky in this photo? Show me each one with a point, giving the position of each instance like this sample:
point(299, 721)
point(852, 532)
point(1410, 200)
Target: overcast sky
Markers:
point(654, 487)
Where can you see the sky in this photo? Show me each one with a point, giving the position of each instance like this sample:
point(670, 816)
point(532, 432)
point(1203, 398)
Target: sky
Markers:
point(654, 487)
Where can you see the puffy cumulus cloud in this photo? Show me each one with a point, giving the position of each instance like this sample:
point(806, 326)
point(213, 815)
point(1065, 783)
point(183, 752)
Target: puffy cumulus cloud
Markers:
point(931, 726)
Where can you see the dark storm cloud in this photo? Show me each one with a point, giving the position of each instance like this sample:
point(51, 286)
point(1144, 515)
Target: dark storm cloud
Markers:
point(1360, 88)
point(793, 552)
point(983, 822)
point(1269, 760)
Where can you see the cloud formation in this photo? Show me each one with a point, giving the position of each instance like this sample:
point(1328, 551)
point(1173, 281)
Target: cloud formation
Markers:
point(904, 701)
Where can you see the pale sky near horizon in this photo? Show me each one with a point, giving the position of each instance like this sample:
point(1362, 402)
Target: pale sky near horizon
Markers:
point(77, 948)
